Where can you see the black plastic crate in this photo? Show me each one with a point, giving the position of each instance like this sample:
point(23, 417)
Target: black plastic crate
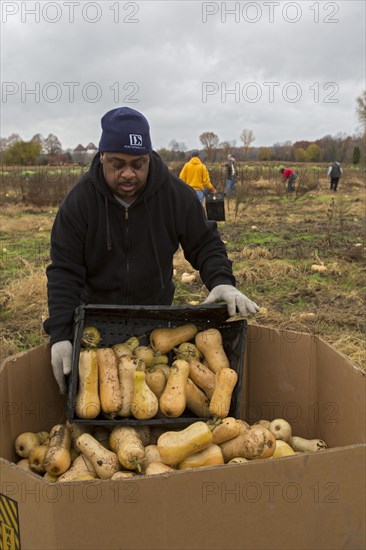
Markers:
point(118, 323)
point(215, 207)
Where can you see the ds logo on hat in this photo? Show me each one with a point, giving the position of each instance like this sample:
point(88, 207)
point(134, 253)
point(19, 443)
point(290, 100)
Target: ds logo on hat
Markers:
point(136, 140)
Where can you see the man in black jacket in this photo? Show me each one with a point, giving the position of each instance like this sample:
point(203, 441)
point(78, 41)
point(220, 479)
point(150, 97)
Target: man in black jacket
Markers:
point(116, 232)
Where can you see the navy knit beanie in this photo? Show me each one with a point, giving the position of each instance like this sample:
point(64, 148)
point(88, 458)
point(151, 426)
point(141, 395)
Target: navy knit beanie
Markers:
point(125, 130)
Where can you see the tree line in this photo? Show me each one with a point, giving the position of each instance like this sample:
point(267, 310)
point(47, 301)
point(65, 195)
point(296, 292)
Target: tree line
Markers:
point(341, 147)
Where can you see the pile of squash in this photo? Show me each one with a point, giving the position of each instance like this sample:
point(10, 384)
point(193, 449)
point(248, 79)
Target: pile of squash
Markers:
point(70, 452)
point(136, 381)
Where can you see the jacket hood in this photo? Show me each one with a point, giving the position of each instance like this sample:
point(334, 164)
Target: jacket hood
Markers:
point(195, 160)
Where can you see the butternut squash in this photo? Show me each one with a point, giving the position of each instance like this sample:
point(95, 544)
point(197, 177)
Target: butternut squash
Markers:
point(36, 458)
point(302, 445)
point(57, 458)
point(43, 437)
point(131, 343)
point(165, 368)
point(25, 442)
point(156, 468)
point(50, 478)
point(226, 380)
point(229, 428)
point(265, 423)
point(163, 340)
point(122, 349)
point(202, 376)
point(87, 402)
point(282, 449)
point(127, 444)
point(244, 426)
point(281, 429)
point(144, 403)
point(175, 446)
point(126, 367)
point(211, 456)
point(90, 337)
point(197, 400)
point(109, 386)
point(238, 460)
point(24, 464)
point(173, 400)
point(209, 342)
point(160, 359)
point(104, 462)
point(123, 475)
point(81, 465)
point(151, 455)
point(256, 442)
point(156, 380)
point(187, 351)
point(145, 354)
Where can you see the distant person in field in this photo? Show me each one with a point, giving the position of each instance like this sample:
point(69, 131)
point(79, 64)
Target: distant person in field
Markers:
point(195, 173)
point(289, 176)
point(334, 173)
point(230, 176)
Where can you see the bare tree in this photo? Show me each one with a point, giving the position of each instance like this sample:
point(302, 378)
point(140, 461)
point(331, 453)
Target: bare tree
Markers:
point(210, 142)
point(52, 145)
point(361, 109)
point(227, 147)
point(247, 137)
point(177, 146)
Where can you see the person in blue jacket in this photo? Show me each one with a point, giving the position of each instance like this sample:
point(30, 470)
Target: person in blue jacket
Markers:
point(117, 230)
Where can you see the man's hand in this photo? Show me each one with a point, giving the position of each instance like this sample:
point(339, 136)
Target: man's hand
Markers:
point(236, 301)
point(61, 353)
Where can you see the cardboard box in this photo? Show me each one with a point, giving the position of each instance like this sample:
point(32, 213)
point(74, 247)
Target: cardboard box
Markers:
point(307, 501)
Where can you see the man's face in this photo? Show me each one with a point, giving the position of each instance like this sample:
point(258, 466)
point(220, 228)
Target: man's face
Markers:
point(126, 175)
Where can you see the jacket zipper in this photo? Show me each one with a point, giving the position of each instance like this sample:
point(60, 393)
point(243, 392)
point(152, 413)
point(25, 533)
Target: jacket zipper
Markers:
point(127, 263)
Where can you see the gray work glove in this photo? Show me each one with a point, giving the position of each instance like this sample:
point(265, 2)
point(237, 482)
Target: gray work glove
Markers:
point(61, 353)
point(236, 301)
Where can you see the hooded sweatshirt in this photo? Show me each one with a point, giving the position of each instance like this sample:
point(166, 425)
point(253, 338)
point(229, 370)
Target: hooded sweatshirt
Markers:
point(104, 253)
point(196, 175)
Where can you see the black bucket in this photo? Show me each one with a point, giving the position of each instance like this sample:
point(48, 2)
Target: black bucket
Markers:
point(215, 207)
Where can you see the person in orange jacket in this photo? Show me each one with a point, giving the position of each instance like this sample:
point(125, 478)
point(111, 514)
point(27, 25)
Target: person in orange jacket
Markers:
point(195, 173)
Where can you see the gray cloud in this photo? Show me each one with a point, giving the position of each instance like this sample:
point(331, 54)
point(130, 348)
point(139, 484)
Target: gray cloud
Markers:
point(287, 70)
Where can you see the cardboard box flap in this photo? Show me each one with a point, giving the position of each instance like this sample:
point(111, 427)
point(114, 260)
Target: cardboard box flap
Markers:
point(301, 378)
point(29, 397)
point(281, 377)
point(340, 411)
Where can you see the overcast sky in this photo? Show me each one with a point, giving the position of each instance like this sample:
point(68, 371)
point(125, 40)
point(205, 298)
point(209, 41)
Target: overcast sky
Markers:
point(285, 70)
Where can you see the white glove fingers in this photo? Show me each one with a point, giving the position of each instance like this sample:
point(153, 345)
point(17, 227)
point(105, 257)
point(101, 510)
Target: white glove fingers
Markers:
point(235, 300)
point(67, 365)
point(61, 354)
point(231, 308)
point(59, 377)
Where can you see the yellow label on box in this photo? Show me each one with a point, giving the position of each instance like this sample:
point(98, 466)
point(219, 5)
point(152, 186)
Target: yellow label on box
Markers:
point(9, 524)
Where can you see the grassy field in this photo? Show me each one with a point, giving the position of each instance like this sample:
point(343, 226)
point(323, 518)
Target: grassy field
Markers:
point(273, 240)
